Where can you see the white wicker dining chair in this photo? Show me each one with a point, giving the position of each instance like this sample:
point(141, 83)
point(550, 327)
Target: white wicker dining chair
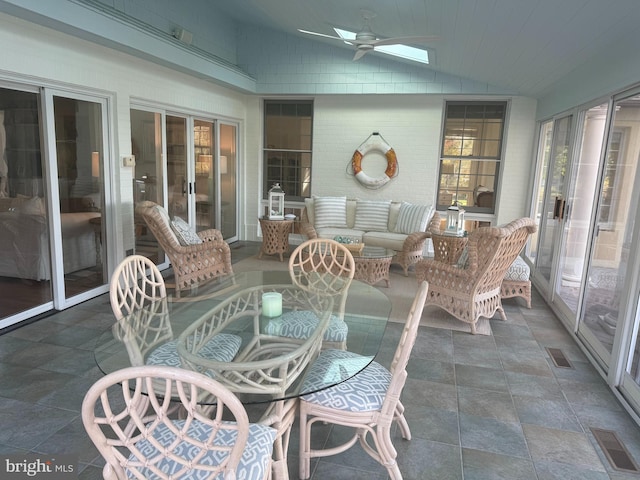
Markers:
point(325, 267)
point(130, 422)
point(369, 402)
point(132, 287)
point(139, 302)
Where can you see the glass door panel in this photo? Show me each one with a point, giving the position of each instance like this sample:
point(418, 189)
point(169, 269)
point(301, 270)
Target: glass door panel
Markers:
point(609, 257)
point(554, 148)
point(146, 146)
point(79, 153)
point(228, 181)
point(206, 174)
point(25, 259)
point(177, 183)
point(579, 209)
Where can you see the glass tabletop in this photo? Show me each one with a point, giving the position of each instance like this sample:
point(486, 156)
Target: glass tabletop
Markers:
point(267, 366)
point(369, 251)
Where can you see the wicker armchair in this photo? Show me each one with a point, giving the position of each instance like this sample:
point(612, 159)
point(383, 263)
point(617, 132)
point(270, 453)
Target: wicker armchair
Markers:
point(473, 291)
point(192, 264)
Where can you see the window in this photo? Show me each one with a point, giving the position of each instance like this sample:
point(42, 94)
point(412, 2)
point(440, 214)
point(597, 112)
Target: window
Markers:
point(287, 147)
point(471, 154)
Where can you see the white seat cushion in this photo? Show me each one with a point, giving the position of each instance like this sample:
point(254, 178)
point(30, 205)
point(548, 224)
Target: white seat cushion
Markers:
point(394, 241)
point(221, 348)
point(518, 271)
point(363, 392)
point(332, 232)
point(301, 324)
point(254, 462)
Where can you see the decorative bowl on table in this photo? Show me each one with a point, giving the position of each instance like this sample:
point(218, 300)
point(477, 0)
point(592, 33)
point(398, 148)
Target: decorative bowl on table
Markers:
point(290, 216)
point(353, 244)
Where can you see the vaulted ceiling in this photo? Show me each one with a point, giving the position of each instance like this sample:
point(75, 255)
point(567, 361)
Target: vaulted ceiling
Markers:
point(523, 46)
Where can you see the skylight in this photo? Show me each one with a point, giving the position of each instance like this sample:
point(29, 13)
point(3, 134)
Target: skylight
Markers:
point(403, 51)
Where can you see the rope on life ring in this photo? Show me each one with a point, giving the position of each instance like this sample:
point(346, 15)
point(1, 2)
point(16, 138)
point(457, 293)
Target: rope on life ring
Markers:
point(375, 143)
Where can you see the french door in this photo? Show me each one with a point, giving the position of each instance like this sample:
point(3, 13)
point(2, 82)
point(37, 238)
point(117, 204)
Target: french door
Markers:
point(197, 182)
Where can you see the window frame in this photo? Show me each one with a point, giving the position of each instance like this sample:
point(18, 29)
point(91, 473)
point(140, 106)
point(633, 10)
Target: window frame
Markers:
point(457, 167)
point(300, 177)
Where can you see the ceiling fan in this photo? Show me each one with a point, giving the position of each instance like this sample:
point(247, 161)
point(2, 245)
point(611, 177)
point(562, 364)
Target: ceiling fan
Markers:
point(366, 40)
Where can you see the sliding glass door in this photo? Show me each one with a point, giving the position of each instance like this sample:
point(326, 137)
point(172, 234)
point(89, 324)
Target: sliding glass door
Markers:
point(53, 228)
point(583, 255)
point(79, 152)
point(25, 265)
point(614, 216)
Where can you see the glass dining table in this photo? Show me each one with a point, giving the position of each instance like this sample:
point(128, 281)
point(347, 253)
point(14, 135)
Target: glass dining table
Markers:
point(261, 367)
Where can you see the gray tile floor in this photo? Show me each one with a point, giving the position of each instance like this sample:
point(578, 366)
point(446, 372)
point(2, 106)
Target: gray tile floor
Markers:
point(480, 407)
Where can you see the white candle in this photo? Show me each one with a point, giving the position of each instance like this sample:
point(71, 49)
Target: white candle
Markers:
point(272, 304)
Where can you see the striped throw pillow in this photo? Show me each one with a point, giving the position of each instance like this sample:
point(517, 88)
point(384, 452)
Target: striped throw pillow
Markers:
point(372, 216)
point(330, 212)
point(413, 218)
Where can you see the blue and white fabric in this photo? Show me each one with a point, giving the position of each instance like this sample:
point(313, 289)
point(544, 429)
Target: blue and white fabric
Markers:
point(413, 218)
point(363, 392)
point(463, 259)
point(518, 271)
point(254, 462)
point(301, 324)
point(221, 348)
point(330, 212)
point(372, 215)
point(185, 234)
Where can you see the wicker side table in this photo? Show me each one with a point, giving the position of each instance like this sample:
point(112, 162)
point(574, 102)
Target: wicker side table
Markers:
point(447, 248)
point(372, 264)
point(275, 236)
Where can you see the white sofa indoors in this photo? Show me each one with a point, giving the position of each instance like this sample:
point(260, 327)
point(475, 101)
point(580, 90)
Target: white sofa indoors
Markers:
point(399, 226)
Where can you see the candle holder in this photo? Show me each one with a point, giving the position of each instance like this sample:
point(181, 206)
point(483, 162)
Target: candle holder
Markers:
point(272, 304)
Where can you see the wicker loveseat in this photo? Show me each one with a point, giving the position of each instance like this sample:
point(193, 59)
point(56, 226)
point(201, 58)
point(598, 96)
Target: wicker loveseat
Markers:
point(399, 226)
point(192, 264)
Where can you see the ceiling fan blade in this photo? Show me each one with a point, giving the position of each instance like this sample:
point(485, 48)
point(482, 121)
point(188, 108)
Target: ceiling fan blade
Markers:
point(361, 52)
point(404, 40)
point(321, 35)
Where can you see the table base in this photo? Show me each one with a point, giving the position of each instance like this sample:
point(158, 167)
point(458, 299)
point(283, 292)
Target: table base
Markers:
point(372, 270)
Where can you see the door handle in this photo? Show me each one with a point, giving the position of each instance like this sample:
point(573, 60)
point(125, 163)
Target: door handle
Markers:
point(558, 208)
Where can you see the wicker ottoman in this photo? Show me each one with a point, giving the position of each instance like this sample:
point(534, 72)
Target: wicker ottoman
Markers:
point(516, 281)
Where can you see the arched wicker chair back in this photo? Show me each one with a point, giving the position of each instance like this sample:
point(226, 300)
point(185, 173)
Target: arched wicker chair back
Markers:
point(132, 287)
point(128, 416)
point(322, 264)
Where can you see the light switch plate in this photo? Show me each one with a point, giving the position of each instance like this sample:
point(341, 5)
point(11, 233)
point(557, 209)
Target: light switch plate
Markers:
point(129, 161)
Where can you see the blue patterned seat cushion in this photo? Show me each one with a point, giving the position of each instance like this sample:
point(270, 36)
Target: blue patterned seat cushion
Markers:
point(221, 348)
point(518, 271)
point(301, 324)
point(254, 462)
point(363, 392)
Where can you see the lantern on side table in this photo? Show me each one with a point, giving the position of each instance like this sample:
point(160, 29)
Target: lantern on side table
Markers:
point(276, 203)
point(455, 220)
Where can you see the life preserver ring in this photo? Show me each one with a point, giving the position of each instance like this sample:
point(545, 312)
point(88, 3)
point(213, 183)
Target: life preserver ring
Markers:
point(374, 143)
